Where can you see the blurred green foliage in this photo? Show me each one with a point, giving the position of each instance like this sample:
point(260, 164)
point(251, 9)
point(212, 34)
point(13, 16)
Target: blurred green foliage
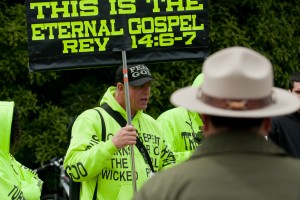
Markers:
point(47, 100)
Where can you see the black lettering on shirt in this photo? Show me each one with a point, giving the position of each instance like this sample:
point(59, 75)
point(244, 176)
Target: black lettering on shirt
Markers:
point(189, 141)
point(16, 194)
point(120, 163)
point(76, 171)
point(150, 138)
point(117, 175)
point(167, 156)
point(123, 151)
point(94, 140)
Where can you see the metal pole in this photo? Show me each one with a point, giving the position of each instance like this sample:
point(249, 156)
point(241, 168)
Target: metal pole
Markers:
point(128, 111)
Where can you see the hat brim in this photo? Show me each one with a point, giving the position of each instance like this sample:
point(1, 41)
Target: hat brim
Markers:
point(140, 81)
point(285, 103)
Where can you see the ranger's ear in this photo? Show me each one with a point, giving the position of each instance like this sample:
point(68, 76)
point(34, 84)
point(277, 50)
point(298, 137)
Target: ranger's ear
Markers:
point(266, 126)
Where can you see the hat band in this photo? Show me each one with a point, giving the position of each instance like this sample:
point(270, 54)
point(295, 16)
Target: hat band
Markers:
point(236, 104)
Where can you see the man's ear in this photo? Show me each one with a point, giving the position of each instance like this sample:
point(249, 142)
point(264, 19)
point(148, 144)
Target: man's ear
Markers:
point(120, 87)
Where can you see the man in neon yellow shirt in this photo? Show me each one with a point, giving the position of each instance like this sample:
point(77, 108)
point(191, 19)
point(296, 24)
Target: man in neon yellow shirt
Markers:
point(182, 128)
point(107, 163)
point(16, 180)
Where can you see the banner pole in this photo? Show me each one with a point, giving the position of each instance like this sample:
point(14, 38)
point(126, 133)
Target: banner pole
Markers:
point(128, 111)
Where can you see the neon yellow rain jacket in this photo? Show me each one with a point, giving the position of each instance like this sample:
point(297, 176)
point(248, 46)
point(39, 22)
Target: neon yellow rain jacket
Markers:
point(180, 127)
point(16, 180)
point(89, 159)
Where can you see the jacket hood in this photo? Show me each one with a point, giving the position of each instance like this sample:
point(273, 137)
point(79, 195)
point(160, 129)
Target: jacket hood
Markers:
point(6, 115)
point(109, 98)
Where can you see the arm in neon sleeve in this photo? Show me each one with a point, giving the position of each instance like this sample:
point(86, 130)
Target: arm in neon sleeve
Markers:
point(87, 154)
point(17, 182)
point(167, 156)
point(167, 128)
point(31, 184)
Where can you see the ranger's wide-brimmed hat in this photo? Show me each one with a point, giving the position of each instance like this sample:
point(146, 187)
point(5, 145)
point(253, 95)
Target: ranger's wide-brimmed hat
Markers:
point(238, 82)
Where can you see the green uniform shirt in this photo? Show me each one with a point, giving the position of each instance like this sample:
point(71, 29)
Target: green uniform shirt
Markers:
point(16, 180)
point(89, 159)
point(229, 166)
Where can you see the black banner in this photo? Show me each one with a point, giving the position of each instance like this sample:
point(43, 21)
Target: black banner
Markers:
point(92, 33)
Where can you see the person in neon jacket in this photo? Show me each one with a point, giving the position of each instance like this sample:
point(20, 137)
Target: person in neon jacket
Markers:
point(16, 180)
point(89, 159)
point(182, 128)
